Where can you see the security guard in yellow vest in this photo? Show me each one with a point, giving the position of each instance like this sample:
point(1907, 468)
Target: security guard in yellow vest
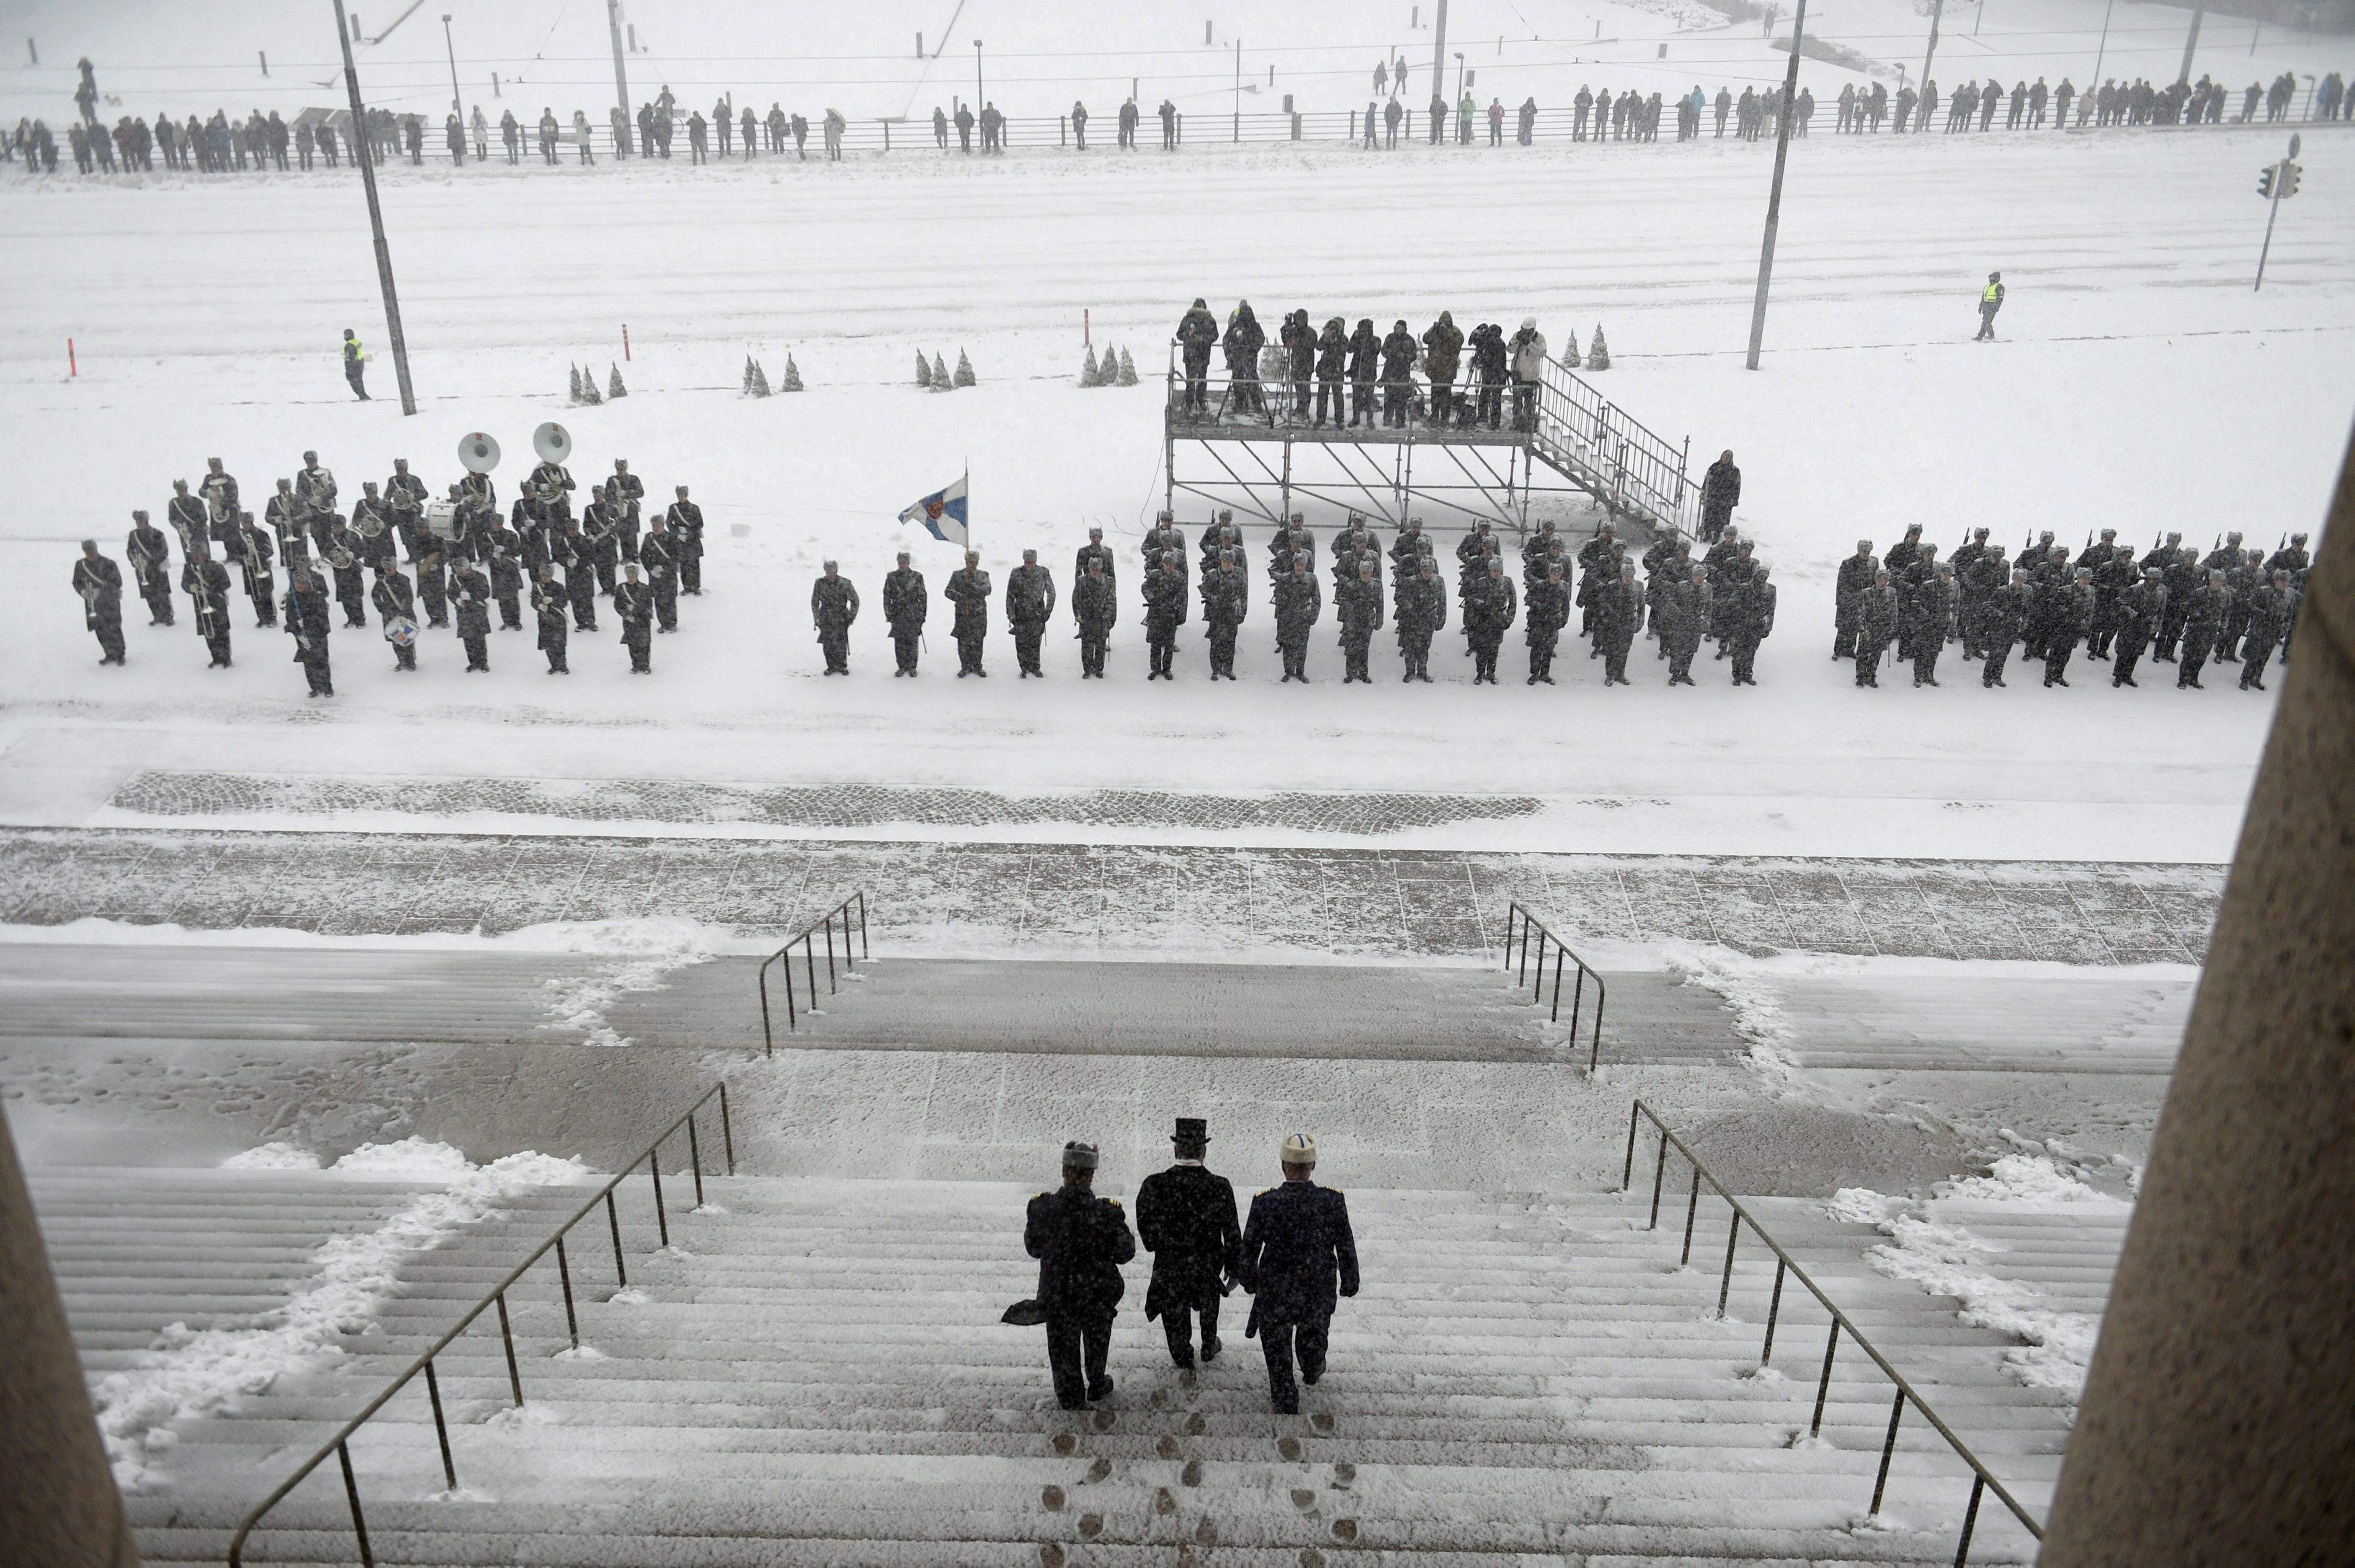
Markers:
point(1991, 301)
point(355, 364)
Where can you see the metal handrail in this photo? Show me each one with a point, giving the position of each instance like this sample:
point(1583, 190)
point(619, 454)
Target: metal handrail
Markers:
point(1518, 913)
point(809, 955)
point(651, 1157)
point(1983, 1479)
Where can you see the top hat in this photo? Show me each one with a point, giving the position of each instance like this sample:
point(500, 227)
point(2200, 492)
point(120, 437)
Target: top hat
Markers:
point(1191, 1129)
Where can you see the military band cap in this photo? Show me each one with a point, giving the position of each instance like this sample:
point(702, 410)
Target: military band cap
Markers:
point(1191, 1129)
point(1078, 1156)
point(1299, 1149)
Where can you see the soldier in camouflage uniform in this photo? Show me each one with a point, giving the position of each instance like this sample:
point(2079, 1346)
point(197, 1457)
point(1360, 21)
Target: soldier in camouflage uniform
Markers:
point(834, 605)
point(1421, 612)
point(1095, 606)
point(1876, 627)
point(1358, 606)
point(1226, 601)
point(1030, 600)
point(1298, 603)
point(968, 589)
point(906, 607)
point(1545, 610)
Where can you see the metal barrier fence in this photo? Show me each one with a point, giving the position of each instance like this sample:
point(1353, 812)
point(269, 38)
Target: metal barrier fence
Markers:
point(339, 1444)
point(1518, 914)
point(805, 941)
point(1982, 1479)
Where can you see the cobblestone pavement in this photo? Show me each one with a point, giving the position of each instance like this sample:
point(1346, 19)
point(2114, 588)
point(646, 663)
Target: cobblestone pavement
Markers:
point(164, 794)
point(1141, 899)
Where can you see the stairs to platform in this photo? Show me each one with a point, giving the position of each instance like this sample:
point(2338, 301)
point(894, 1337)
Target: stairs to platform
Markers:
point(814, 1373)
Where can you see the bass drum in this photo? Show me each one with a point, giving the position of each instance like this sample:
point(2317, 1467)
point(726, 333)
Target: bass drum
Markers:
point(441, 519)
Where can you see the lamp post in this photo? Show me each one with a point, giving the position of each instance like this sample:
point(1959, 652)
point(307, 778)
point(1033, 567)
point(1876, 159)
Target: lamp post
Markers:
point(456, 107)
point(360, 146)
point(1775, 193)
point(977, 99)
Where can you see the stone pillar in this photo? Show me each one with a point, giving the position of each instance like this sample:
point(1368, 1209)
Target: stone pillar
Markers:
point(2219, 1418)
point(59, 1507)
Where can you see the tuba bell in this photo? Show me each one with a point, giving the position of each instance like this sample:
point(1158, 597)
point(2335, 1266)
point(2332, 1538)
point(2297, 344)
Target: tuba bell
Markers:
point(552, 442)
point(340, 559)
point(478, 453)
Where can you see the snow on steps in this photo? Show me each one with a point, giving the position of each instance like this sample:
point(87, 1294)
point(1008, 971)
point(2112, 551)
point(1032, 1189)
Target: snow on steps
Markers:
point(815, 1374)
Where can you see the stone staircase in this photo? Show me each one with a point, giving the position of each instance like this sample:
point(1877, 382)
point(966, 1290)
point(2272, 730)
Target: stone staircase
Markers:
point(814, 1373)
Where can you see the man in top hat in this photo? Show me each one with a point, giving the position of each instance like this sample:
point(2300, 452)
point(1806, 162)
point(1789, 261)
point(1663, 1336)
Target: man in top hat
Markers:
point(1296, 1244)
point(1081, 1241)
point(1185, 1217)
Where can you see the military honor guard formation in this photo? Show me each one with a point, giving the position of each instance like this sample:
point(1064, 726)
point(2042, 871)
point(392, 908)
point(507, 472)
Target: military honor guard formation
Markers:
point(1293, 1255)
point(2231, 606)
point(463, 560)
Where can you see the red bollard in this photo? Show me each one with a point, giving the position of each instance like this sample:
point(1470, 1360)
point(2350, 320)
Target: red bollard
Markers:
point(1086, 341)
point(72, 369)
point(626, 340)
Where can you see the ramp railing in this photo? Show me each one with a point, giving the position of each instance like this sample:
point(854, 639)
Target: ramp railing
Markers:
point(1983, 1480)
point(806, 940)
point(1518, 918)
point(339, 1446)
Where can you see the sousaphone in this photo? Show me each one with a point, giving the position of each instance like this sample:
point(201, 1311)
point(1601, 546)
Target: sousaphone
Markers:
point(478, 453)
point(552, 442)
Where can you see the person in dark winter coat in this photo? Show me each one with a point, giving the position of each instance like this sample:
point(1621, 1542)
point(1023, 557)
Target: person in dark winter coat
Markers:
point(1752, 623)
point(968, 589)
point(834, 605)
point(1684, 612)
point(1332, 354)
point(396, 606)
point(1441, 342)
point(1226, 601)
point(1875, 628)
point(1197, 334)
point(1358, 606)
point(2203, 620)
point(1365, 368)
point(1299, 1257)
point(2003, 619)
point(906, 608)
point(1721, 492)
point(1243, 340)
point(1081, 1241)
point(1618, 612)
point(1186, 1218)
point(1422, 613)
point(1398, 376)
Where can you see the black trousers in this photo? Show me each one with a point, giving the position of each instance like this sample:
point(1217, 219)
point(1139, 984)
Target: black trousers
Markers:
point(109, 629)
point(1415, 648)
point(904, 645)
point(1076, 1350)
point(1162, 653)
point(159, 601)
point(1222, 658)
point(1615, 656)
point(2198, 638)
point(510, 611)
point(837, 643)
point(969, 652)
point(1328, 395)
point(1092, 653)
point(1026, 635)
point(2056, 661)
point(355, 371)
point(1296, 659)
point(1282, 1343)
point(639, 638)
point(314, 667)
point(1177, 1326)
point(1997, 654)
point(478, 652)
point(1394, 401)
point(667, 603)
point(690, 571)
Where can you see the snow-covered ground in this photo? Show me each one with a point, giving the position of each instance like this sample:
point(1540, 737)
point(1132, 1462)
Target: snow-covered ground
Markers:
point(2141, 384)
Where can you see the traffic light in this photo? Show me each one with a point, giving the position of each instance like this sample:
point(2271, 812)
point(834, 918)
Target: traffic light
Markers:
point(2290, 173)
point(2266, 181)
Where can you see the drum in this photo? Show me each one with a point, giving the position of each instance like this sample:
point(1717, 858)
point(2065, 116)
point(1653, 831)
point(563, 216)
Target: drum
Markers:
point(441, 519)
point(400, 631)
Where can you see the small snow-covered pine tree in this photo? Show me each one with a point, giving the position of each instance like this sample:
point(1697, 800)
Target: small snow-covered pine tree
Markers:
point(1570, 349)
point(923, 369)
point(1599, 356)
point(589, 393)
point(576, 383)
point(1127, 369)
point(748, 375)
point(964, 370)
point(793, 375)
point(613, 387)
point(759, 380)
point(941, 380)
point(1089, 375)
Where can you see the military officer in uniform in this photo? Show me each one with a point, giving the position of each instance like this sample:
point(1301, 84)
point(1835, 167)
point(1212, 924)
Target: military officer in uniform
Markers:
point(552, 604)
point(1097, 607)
point(633, 602)
point(1081, 1241)
point(396, 599)
point(206, 582)
point(906, 607)
point(1296, 1249)
point(968, 589)
point(470, 602)
point(1185, 1217)
point(1030, 600)
point(834, 605)
point(686, 521)
point(150, 553)
point(98, 581)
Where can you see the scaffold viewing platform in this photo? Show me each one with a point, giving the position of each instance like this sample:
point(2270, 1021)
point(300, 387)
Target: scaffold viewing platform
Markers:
point(1509, 463)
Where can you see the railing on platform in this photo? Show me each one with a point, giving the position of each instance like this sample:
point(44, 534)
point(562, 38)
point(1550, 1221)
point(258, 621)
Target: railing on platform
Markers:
point(1561, 418)
point(1982, 1479)
point(806, 940)
point(1518, 915)
point(339, 1444)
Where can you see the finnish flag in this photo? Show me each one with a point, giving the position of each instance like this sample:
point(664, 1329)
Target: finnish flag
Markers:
point(941, 514)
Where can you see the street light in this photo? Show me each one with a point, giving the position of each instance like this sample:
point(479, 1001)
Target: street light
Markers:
point(1459, 76)
point(977, 99)
point(456, 107)
point(361, 150)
